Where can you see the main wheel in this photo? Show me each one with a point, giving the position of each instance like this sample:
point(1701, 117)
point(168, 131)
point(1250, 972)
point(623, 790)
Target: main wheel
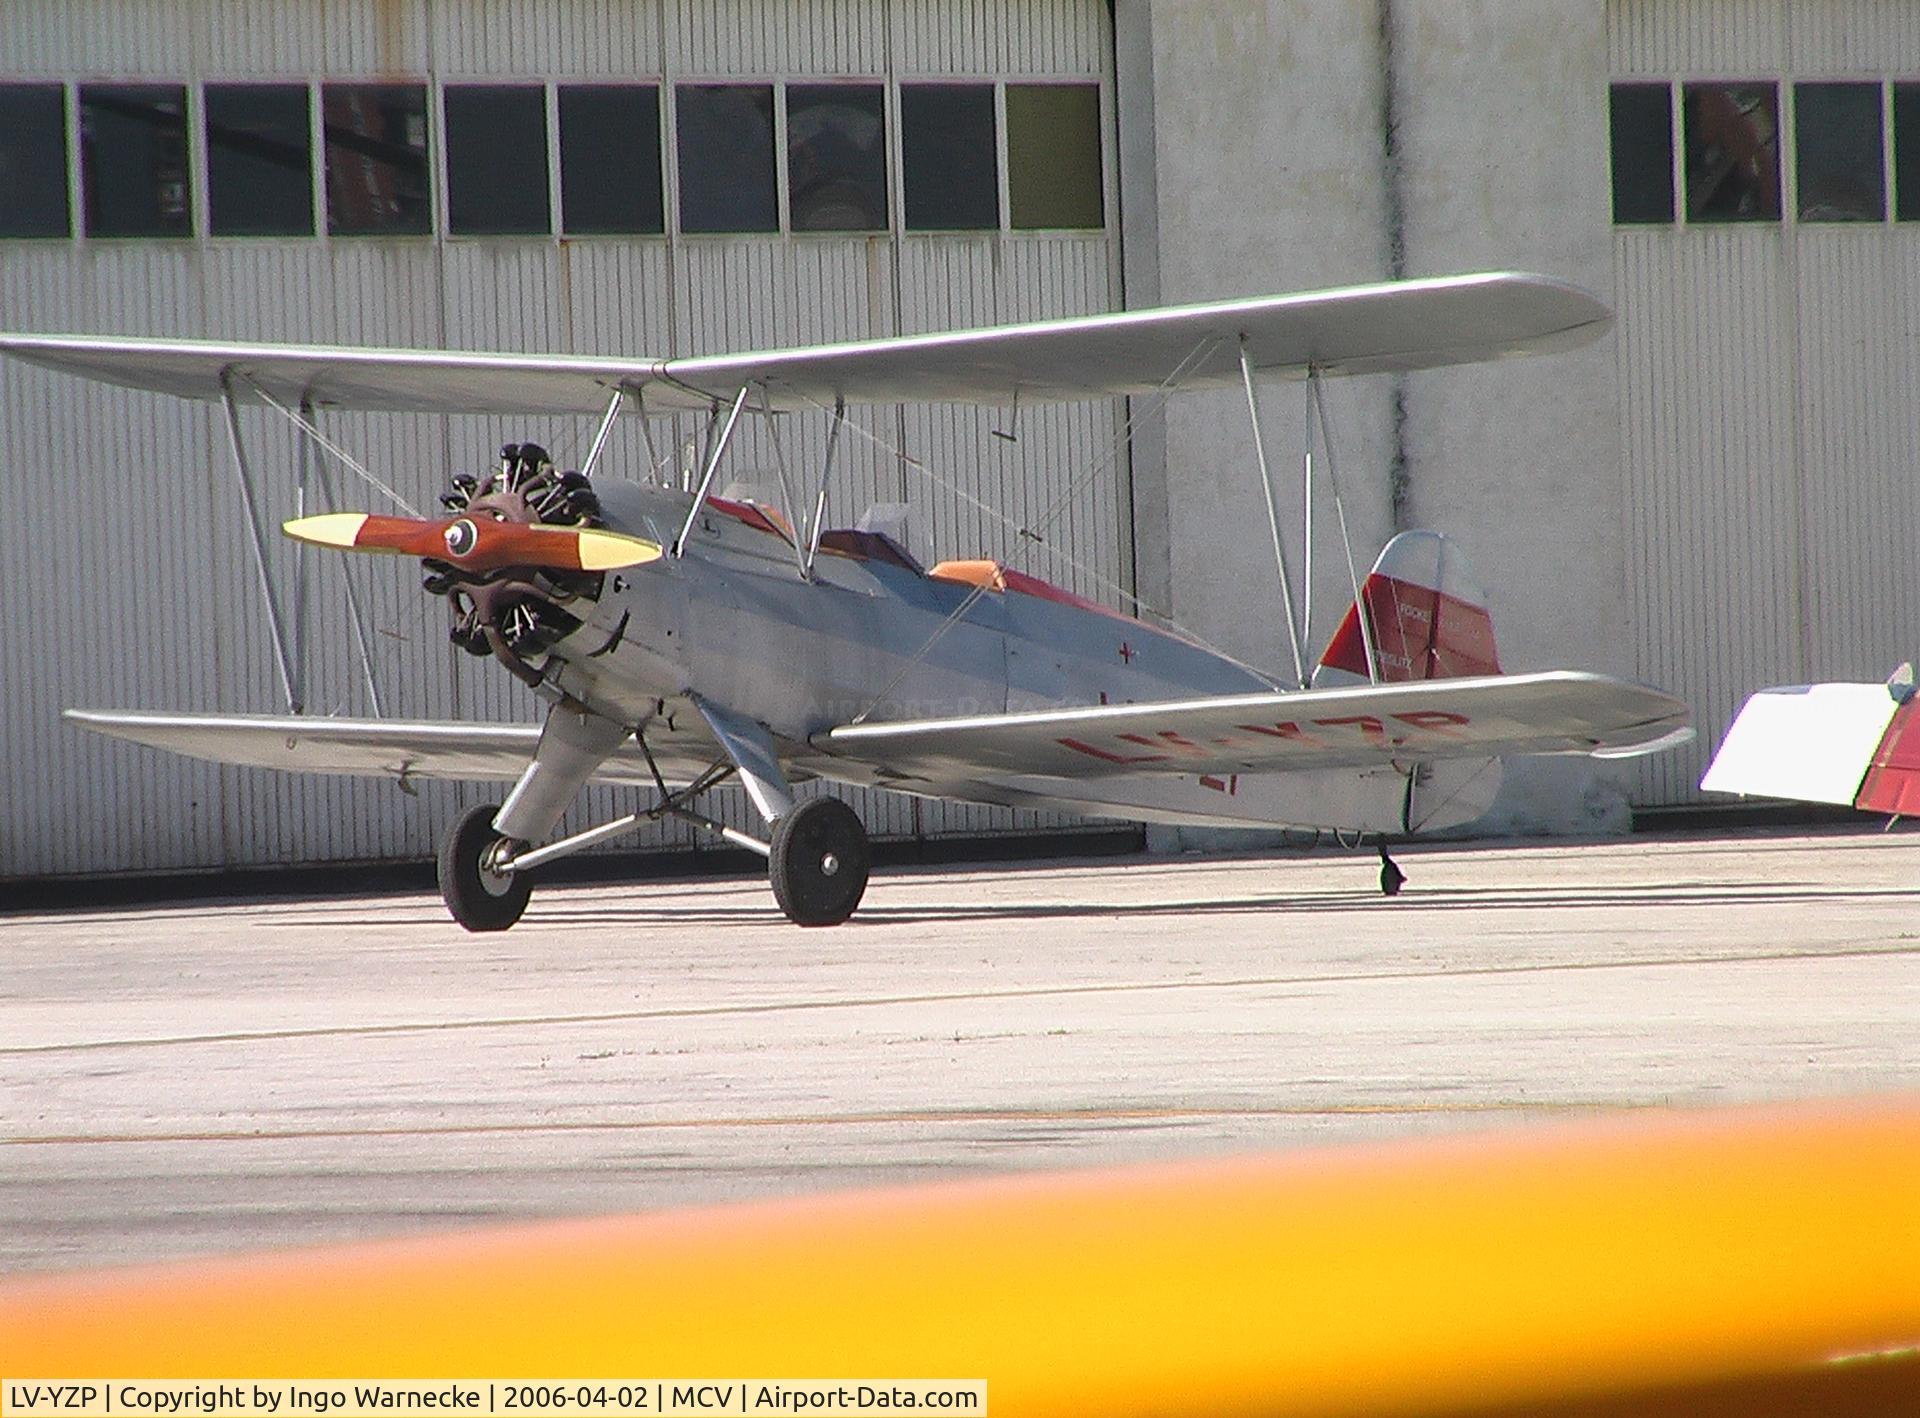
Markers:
point(819, 862)
point(479, 898)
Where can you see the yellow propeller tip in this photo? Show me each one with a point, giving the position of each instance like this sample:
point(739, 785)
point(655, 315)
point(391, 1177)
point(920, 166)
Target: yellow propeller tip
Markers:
point(328, 529)
point(611, 551)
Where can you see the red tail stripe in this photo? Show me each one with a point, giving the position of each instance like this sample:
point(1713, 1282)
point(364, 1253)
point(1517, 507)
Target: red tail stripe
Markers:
point(1892, 783)
point(1418, 633)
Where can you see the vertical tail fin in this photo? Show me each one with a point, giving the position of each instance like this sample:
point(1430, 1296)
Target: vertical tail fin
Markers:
point(1426, 619)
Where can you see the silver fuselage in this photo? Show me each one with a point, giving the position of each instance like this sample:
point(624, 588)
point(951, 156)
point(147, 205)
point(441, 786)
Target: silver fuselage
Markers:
point(734, 621)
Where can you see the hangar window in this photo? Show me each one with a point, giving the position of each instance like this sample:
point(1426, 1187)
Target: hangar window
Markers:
point(1839, 162)
point(1641, 123)
point(1906, 152)
point(949, 157)
point(837, 157)
point(610, 159)
point(259, 160)
point(377, 159)
point(724, 141)
point(1053, 156)
point(497, 160)
point(1733, 152)
point(33, 160)
point(133, 160)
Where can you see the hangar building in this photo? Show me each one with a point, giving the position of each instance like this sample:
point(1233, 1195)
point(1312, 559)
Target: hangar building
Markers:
point(1713, 498)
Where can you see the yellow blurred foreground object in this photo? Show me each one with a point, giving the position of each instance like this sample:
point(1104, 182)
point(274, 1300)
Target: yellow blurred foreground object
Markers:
point(1756, 1261)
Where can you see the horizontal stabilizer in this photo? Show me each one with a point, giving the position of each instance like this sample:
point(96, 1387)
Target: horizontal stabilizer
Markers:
point(1400, 325)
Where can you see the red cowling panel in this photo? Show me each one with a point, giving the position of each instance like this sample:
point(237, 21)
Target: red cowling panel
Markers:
point(1892, 783)
point(1419, 633)
point(746, 512)
point(1033, 586)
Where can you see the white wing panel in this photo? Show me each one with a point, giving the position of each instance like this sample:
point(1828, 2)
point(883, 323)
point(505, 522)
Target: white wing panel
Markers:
point(1808, 743)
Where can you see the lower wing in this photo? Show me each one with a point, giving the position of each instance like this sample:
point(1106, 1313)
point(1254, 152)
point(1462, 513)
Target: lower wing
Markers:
point(1559, 711)
point(403, 749)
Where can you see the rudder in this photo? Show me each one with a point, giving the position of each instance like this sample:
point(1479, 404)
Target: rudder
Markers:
point(1427, 614)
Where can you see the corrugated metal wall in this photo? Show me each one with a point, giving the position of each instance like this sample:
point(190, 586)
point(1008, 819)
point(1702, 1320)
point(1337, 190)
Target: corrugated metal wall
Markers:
point(119, 518)
point(1768, 376)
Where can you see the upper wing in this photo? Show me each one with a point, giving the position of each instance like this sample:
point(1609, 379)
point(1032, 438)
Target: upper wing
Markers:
point(1560, 711)
point(376, 748)
point(1398, 325)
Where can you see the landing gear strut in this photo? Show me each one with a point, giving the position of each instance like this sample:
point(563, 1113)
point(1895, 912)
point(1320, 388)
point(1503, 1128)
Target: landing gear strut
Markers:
point(481, 898)
point(1391, 877)
point(819, 862)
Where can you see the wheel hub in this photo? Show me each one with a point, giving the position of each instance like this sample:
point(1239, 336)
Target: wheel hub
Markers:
point(495, 875)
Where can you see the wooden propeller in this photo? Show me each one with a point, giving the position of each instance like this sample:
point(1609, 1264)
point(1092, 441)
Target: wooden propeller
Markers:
point(476, 543)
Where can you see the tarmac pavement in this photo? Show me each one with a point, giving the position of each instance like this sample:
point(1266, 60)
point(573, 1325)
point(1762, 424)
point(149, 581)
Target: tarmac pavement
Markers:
point(234, 1075)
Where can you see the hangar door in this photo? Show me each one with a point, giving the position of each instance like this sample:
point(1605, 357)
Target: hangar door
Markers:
point(578, 175)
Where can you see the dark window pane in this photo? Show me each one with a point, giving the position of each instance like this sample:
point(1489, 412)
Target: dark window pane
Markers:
point(133, 160)
point(33, 160)
point(610, 158)
point(1837, 153)
point(259, 160)
point(1053, 155)
point(1733, 153)
point(725, 146)
point(377, 159)
point(1906, 152)
point(950, 162)
point(837, 157)
point(1642, 124)
point(497, 160)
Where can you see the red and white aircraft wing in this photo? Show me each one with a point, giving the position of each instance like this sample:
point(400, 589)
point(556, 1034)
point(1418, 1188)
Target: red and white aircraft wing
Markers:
point(1851, 745)
point(1560, 711)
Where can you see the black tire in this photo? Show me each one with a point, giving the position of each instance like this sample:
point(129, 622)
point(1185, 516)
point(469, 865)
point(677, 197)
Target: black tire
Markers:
point(478, 899)
point(819, 862)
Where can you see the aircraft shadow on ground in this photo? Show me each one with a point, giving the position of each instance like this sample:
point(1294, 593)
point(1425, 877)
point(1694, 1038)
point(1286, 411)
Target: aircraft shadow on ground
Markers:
point(1413, 901)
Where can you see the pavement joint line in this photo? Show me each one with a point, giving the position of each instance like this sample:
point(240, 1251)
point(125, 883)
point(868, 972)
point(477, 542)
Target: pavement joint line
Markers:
point(866, 1119)
point(954, 997)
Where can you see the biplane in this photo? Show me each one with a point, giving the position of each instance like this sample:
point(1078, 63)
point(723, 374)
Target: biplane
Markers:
point(681, 639)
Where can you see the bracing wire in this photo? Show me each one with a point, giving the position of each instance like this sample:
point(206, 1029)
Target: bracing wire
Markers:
point(1034, 535)
point(1028, 536)
point(353, 464)
point(1360, 608)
